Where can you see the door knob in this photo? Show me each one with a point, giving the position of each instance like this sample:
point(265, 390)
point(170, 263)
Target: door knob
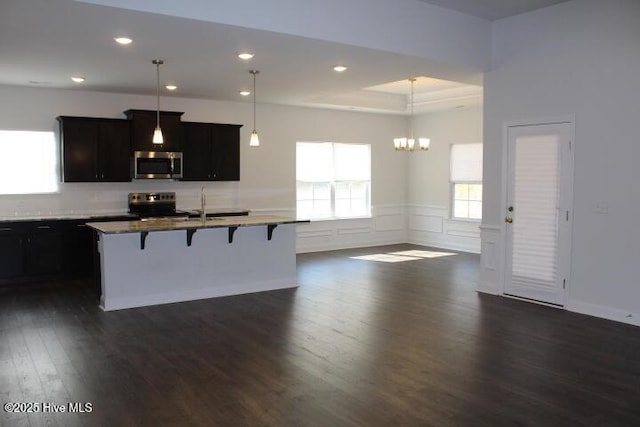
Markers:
point(508, 220)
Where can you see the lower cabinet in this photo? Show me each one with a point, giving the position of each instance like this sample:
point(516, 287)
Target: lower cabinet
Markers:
point(11, 254)
point(30, 250)
point(79, 250)
point(35, 251)
point(42, 254)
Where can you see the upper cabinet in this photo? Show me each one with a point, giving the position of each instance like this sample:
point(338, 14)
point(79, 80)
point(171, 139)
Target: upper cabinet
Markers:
point(143, 123)
point(95, 149)
point(211, 152)
point(100, 150)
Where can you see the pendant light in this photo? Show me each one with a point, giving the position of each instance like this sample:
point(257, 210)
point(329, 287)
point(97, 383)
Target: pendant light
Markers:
point(157, 133)
point(409, 144)
point(254, 141)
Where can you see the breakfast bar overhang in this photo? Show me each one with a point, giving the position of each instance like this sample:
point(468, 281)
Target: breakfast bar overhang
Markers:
point(165, 261)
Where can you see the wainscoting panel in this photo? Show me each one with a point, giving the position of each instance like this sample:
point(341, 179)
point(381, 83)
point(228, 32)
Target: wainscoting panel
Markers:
point(387, 225)
point(425, 222)
point(491, 272)
point(390, 219)
point(431, 226)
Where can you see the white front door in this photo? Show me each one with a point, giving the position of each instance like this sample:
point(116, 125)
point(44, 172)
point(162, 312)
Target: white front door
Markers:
point(538, 215)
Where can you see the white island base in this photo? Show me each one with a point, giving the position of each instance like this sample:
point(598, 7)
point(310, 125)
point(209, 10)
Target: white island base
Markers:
point(167, 270)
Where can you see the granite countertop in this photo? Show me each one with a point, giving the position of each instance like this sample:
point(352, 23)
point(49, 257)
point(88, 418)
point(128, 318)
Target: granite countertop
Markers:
point(94, 215)
point(63, 216)
point(216, 211)
point(120, 227)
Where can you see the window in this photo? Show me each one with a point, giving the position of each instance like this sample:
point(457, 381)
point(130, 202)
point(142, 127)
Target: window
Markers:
point(333, 180)
point(466, 181)
point(30, 162)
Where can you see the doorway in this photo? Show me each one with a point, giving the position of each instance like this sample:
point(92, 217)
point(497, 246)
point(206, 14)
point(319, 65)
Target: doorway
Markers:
point(538, 211)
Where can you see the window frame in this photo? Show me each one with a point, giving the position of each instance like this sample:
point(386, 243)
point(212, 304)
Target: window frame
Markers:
point(452, 189)
point(52, 186)
point(332, 185)
point(452, 193)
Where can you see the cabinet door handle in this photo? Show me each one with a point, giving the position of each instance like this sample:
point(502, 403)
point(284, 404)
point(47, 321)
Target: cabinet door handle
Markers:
point(81, 225)
point(44, 227)
point(6, 229)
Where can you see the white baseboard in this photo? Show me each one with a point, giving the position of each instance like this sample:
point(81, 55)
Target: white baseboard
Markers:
point(604, 312)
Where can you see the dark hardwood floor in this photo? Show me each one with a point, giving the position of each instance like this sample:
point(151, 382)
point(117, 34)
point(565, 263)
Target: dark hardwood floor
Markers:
point(359, 343)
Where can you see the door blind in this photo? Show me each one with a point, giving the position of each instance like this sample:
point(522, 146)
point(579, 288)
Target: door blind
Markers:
point(536, 206)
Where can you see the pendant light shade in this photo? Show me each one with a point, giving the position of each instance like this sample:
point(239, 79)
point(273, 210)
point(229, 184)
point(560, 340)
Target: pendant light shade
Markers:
point(409, 144)
point(157, 133)
point(254, 141)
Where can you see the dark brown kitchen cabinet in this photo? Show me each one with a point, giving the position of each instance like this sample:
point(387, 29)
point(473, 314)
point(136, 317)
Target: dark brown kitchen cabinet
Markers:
point(143, 123)
point(11, 254)
point(211, 152)
point(30, 251)
point(33, 251)
point(95, 149)
point(79, 249)
point(43, 254)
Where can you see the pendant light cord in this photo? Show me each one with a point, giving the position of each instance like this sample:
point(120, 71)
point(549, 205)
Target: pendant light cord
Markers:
point(411, 116)
point(254, 99)
point(158, 93)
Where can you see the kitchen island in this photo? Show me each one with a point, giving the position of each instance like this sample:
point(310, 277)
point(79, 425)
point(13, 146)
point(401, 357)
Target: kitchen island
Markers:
point(165, 261)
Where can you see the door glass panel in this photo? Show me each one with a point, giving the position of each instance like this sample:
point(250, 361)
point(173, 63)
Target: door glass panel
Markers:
point(536, 190)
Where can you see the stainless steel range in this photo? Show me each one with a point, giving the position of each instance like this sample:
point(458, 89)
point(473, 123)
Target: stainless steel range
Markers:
point(149, 206)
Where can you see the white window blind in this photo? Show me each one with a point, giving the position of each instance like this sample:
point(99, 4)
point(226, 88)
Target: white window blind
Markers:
point(314, 161)
point(466, 163)
point(466, 181)
point(536, 197)
point(351, 162)
point(333, 180)
point(30, 162)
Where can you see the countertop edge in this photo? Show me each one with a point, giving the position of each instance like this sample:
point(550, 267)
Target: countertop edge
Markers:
point(128, 227)
point(97, 215)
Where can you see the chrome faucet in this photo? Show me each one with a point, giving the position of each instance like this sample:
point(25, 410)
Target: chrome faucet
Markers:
point(203, 203)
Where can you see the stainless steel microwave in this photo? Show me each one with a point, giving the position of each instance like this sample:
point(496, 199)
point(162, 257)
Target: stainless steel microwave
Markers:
point(157, 164)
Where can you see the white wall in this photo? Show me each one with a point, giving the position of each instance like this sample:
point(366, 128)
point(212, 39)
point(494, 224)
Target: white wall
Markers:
point(428, 194)
point(578, 58)
point(267, 175)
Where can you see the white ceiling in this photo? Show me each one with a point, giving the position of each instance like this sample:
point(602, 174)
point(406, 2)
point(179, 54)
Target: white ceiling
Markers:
point(44, 42)
point(493, 9)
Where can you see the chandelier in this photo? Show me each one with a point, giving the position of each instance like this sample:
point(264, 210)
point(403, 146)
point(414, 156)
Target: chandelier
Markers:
point(409, 144)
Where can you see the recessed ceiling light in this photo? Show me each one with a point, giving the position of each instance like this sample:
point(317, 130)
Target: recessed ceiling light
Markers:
point(171, 87)
point(123, 40)
point(77, 79)
point(245, 55)
point(245, 93)
point(339, 68)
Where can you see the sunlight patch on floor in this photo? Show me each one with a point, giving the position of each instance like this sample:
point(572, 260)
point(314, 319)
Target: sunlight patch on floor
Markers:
point(385, 258)
point(423, 254)
point(402, 256)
